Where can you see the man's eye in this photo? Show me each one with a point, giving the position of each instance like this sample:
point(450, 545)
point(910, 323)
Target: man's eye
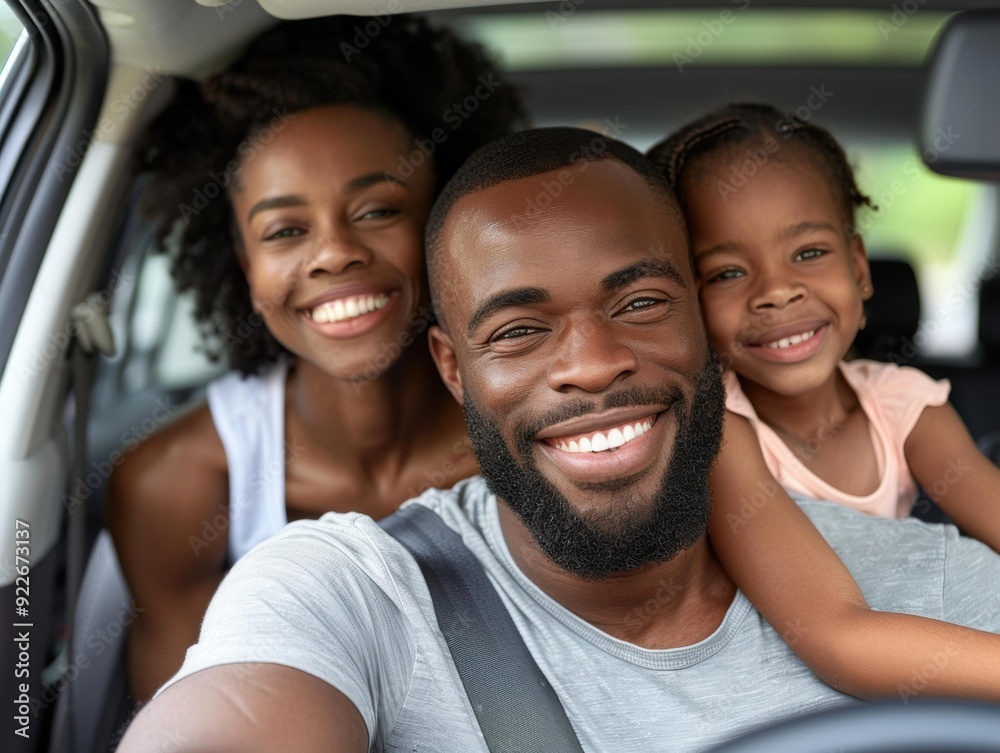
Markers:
point(641, 303)
point(513, 334)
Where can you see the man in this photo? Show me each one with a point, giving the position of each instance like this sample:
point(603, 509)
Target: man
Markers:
point(569, 328)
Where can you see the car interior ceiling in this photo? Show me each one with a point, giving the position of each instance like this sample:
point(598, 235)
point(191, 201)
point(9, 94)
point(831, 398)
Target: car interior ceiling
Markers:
point(881, 103)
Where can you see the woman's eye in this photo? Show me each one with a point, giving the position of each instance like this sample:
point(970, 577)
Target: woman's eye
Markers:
point(810, 253)
point(378, 214)
point(285, 232)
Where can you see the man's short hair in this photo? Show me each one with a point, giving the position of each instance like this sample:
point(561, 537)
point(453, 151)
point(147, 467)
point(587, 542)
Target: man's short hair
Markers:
point(528, 153)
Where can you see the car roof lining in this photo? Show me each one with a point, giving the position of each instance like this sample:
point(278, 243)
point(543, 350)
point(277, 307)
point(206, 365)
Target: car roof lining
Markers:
point(146, 34)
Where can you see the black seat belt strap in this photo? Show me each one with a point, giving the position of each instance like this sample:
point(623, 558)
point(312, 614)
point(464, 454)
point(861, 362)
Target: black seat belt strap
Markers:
point(517, 709)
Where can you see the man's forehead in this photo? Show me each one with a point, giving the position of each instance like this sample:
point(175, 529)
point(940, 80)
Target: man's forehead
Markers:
point(590, 241)
point(605, 206)
point(575, 187)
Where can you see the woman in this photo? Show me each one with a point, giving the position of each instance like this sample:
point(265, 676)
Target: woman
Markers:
point(310, 270)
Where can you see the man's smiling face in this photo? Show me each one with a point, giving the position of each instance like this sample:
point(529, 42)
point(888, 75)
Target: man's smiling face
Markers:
point(576, 344)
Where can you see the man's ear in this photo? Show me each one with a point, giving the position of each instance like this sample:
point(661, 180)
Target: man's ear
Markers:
point(443, 352)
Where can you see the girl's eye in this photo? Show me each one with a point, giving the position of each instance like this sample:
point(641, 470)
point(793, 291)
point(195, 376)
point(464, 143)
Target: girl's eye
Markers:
point(810, 253)
point(726, 274)
point(285, 232)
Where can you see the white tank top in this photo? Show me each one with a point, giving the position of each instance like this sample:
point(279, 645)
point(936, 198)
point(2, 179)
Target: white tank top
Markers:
point(249, 415)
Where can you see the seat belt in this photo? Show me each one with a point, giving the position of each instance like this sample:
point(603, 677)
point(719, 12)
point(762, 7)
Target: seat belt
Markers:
point(517, 709)
point(92, 335)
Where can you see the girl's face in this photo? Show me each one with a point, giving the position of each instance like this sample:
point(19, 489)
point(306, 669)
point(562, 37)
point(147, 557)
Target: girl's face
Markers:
point(779, 279)
point(331, 215)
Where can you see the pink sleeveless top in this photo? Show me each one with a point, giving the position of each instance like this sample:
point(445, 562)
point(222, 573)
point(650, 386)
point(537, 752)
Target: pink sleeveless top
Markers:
point(892, 397)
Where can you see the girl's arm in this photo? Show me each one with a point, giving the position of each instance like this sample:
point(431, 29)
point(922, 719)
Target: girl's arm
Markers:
point(955, 474)
point(792, 576)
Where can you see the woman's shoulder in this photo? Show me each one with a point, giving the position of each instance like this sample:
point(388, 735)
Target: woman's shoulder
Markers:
point(181, 466)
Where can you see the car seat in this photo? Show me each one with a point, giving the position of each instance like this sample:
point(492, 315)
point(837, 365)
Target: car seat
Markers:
point(893, 312)
point(97, 694)
point(974, 386)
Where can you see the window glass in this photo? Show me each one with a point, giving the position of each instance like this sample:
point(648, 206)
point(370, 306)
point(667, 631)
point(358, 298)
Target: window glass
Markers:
point(736, 35)
point(942, 226)
point(10, 30)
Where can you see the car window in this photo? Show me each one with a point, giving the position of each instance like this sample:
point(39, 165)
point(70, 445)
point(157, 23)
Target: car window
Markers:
point(942, 226)
point(11, 30)
point(739, 35)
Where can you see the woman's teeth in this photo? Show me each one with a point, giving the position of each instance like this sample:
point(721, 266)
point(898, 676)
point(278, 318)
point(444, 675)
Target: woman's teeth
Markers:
point(786, 342)
point(348, 308)
point(601, 441)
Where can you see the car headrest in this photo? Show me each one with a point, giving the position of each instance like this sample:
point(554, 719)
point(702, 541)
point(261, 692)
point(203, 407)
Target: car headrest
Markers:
point(989, 318)
point(961, 107)
point(893, 312)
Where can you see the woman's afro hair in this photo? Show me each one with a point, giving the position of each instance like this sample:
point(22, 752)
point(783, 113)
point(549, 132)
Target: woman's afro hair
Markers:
point(408, 70)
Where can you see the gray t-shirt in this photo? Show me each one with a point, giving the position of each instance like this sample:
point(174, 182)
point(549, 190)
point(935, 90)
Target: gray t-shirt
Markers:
point(340, 599)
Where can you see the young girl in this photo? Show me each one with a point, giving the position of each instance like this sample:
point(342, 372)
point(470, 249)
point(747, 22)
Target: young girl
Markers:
point(770, 202)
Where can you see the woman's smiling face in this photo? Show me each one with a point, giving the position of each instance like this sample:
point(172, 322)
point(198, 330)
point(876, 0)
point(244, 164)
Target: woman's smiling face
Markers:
point(332, 238)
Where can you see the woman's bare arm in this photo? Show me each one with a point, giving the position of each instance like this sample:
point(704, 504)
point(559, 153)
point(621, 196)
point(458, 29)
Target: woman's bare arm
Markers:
point(788, 571)
point(167, 513)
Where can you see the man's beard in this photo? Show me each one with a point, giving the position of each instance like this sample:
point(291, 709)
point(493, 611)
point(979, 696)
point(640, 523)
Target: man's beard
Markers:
point(631, 531)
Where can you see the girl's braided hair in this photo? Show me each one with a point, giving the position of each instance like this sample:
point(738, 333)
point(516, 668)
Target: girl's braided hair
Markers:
point(409, 71)
point(739, 123)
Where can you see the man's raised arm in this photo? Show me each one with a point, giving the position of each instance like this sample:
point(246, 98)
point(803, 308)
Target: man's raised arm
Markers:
point(248, 708)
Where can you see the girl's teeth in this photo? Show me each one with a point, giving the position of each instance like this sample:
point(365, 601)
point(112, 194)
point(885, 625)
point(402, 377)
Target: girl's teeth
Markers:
point(793, 340)
point(601, 442)
point(348, 308)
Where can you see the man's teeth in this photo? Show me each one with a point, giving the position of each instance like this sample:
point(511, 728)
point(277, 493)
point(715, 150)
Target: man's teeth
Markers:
point(348, 308)
point(785, 342)
point(600, 441)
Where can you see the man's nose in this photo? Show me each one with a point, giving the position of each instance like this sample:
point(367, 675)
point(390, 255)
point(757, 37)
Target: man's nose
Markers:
point(591, 356)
